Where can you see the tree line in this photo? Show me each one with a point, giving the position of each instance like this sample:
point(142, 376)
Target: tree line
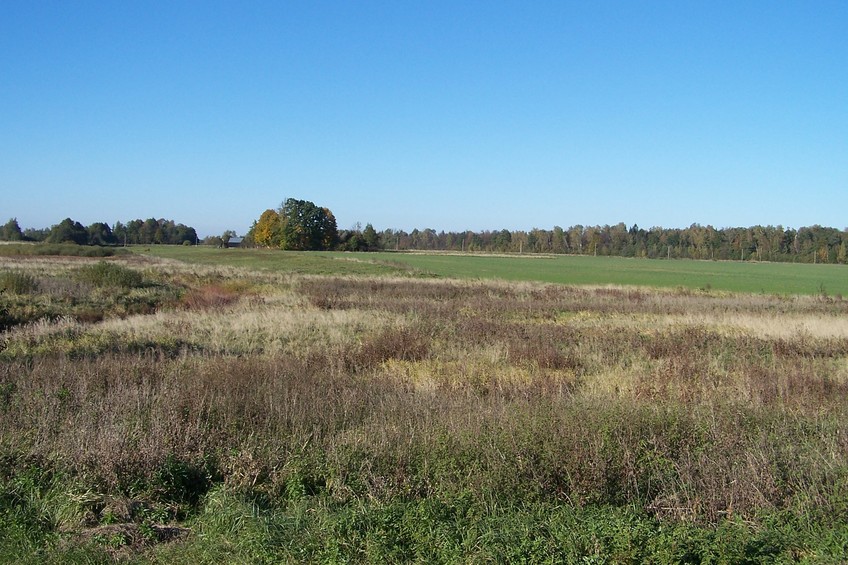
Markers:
point(299, 224)
point(814, 244)
point(134, 232)
point(303, 225)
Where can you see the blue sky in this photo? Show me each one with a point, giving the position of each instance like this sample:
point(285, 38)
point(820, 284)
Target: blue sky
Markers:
point(449, 115)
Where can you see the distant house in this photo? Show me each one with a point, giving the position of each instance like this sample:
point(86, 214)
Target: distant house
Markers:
point(234, 242)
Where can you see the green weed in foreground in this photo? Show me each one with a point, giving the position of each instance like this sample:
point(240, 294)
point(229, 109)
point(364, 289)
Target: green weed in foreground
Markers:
point(229, 527)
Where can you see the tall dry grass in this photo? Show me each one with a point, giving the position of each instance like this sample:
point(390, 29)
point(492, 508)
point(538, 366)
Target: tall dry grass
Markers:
point(379, 388)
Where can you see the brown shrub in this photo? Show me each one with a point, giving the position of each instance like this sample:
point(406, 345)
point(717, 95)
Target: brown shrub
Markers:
point(405, 344)
point(209, 297)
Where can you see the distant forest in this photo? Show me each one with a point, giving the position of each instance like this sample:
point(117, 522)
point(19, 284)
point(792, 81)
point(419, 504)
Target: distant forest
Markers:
point(814, 244)
point(134, 232)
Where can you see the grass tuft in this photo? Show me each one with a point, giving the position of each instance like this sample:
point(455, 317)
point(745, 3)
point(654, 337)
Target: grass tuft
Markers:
point(105, 274)
point(15, 282)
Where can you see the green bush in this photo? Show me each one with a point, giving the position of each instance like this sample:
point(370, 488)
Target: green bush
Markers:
point(178, 480)
point(17, 283)
point(105, 274)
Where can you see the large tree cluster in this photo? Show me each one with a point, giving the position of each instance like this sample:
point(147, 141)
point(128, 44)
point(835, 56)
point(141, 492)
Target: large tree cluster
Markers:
point(297, 225)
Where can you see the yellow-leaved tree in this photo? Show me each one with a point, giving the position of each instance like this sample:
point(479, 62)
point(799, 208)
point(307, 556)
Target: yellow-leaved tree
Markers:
point(266, 232)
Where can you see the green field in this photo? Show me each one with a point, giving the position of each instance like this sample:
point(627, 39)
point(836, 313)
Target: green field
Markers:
point(748, 277)
point(309, 262)
point(766, 278)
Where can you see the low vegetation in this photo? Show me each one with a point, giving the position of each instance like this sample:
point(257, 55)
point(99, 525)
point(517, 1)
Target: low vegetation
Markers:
point(60, 291)
point(58, 249)
point(264, 416)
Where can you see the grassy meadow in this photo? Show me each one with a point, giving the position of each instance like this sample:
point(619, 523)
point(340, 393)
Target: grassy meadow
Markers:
point(732, 276)
point(191, 405)
point(274, 260)
point(747, 277)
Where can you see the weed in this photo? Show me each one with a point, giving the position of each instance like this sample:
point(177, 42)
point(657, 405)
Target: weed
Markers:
point(209, 296)
point(15, 282)
point(105, 274)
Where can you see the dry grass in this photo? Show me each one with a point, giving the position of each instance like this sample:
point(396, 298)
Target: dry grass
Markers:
point(694, 406)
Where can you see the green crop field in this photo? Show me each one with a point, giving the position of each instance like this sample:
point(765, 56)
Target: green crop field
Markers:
point(767, 278)
point(747, 277)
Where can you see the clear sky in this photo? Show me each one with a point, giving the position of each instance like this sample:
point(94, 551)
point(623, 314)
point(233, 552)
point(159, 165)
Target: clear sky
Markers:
point(449, 115)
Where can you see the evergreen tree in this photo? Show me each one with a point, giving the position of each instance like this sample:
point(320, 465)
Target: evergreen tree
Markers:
point(12, 231)
point(68, 231)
